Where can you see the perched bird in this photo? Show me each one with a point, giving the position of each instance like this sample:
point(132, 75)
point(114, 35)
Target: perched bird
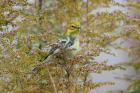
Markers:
point(70, 39)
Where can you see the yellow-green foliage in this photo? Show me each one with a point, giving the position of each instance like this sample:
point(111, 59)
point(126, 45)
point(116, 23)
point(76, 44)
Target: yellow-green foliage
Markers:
point(41, 24)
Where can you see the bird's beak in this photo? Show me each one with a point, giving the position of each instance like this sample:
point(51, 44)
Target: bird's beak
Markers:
point(79, 28)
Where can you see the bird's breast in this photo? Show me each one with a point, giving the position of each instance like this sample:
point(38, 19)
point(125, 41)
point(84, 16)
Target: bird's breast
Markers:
point(76, 44)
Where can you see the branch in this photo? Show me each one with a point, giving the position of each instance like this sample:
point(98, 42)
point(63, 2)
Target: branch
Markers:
point(52, 80)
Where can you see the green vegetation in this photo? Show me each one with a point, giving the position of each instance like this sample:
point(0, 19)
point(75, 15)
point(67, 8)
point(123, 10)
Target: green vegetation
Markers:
point(27, 30)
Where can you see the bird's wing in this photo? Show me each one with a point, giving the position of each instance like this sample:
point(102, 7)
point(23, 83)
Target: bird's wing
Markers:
point(63, 42)
point(70, 42)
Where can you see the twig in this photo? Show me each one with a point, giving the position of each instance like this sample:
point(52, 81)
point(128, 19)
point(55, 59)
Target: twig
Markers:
point(52, 80)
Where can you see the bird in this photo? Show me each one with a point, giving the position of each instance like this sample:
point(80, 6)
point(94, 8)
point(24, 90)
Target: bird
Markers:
point(70, 39)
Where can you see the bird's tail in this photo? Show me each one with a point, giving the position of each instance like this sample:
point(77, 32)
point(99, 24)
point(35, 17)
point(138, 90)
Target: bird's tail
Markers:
point(52, 50)
point(46, 57)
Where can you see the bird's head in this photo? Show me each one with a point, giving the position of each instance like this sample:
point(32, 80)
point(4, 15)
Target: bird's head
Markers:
point(73, 28)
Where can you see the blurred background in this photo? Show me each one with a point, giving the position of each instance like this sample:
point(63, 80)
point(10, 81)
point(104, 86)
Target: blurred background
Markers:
point(111, 29)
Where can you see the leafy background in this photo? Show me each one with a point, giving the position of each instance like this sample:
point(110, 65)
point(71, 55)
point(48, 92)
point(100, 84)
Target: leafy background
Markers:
point(109, 41)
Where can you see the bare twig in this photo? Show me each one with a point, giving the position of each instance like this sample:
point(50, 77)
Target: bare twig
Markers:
point(52, 80)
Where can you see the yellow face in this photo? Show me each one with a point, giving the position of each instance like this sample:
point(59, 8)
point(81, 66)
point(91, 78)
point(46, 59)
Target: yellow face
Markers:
point(73, 28)
point(74, 25)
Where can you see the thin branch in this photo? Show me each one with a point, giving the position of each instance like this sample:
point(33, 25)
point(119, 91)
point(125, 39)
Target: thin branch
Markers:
point(85, 78)
point(87, 13)
point(52, 80)
point(19, 84)
point(40, 4)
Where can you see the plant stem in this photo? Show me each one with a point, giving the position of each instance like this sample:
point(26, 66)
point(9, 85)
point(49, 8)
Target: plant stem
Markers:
point(52, 80)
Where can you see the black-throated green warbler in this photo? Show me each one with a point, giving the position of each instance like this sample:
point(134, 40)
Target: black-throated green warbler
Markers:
point(70, 40)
